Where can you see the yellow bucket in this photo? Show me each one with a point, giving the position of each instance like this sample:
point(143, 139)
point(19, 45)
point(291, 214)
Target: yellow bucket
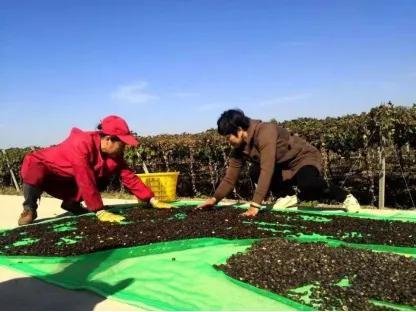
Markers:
point(163, 184)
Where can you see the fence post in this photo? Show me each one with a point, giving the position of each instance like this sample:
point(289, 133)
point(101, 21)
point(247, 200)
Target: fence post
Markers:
point(381, 179)
point(16, 185)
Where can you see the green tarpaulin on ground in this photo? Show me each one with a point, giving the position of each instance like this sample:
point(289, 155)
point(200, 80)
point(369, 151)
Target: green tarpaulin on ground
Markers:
point(177, 275)
point(169, 276)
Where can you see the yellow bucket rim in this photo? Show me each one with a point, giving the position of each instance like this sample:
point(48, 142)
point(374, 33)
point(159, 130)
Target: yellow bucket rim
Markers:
point(159, 173)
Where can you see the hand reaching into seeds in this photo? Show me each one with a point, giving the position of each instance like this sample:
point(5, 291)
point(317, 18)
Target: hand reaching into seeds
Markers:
point(159, 204)
point(251, 212)
point(107, 216)
point(209, 203)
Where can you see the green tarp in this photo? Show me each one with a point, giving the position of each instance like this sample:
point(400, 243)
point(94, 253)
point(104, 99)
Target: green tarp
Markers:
point(169, 276)
point(176, 275)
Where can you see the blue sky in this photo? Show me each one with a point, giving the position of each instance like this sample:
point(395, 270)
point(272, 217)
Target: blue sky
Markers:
point(173, 66)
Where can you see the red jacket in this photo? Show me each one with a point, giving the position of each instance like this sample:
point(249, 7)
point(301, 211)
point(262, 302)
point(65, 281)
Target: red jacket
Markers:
point(73, 169)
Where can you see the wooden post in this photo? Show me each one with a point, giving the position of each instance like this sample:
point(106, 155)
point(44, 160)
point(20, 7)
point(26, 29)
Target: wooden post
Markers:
point(143, 163)
point(381, 180)
point(16, 185)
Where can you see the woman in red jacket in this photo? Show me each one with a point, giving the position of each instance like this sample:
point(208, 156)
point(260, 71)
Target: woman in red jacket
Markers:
point(79, 167)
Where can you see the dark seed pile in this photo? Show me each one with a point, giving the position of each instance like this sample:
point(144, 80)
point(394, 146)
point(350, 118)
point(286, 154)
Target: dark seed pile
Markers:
point(274, 263)
point(370, 231)
point(279, 266)
point(145, 226)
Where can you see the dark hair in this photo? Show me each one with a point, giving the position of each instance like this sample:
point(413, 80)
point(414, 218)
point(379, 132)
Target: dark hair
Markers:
point(113, 138)
point(231, 120)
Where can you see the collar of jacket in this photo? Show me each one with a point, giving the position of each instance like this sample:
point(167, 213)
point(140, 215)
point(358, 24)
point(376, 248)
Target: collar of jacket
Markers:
point(97, 142)
point(251, 133)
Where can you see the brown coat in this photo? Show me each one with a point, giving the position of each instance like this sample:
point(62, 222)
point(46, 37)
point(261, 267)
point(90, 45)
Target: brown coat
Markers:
point(268, 145)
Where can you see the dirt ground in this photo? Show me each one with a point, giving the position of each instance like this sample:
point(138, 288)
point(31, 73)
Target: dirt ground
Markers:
point(20, 292)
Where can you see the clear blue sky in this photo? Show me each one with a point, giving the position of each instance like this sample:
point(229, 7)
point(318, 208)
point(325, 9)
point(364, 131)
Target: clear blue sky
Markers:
point(173, 66)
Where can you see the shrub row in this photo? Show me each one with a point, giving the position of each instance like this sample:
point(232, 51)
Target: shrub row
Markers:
point(350, 145)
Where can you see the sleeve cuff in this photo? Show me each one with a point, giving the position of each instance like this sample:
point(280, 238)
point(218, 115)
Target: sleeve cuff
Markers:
point(254, 204)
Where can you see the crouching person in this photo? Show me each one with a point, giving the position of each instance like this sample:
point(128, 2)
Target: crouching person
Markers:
point(79, 168)
point(279, 161)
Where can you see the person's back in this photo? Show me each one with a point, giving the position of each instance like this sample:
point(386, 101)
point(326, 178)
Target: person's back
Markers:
point(59, 158)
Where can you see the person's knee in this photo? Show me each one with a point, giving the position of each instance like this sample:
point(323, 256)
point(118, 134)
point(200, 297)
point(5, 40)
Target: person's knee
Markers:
point(310, 192)
point(311, 187)
point(33, 172)
point(74, 207)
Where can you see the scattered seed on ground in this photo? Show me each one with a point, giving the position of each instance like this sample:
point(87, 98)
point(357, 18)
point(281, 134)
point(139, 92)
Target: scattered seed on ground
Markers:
point(280, 266)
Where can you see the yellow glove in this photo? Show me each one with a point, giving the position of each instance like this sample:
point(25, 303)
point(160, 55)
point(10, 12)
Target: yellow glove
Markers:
point(107, 216)
point(159, 204)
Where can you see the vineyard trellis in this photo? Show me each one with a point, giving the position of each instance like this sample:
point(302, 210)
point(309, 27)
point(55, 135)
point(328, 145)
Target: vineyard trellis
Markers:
point(350, 145)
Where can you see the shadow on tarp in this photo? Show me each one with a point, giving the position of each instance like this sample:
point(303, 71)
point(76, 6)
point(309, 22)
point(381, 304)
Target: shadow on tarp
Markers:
point(177, 275)
point(30, 294)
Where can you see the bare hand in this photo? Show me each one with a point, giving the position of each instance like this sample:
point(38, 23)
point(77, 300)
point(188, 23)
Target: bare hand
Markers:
point(209, 203)
point(251, 212)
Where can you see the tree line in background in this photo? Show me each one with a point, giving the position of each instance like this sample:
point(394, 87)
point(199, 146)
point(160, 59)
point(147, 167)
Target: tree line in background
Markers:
point(351, 147)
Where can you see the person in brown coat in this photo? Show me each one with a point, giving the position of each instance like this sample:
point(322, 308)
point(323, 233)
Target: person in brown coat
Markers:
point(279, 162)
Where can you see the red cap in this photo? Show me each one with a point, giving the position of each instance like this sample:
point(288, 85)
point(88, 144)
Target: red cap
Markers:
point(117, 126)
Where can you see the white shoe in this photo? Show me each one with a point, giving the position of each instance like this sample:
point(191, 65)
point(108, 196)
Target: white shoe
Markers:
point(286, 202)
point(351, 204)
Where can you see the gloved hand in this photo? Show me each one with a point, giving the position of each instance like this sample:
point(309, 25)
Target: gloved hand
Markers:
point(159, 204)
point(107, 216)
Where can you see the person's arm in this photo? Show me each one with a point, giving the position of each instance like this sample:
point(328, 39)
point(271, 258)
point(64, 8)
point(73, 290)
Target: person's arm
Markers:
point(227, 184)
point(131, 181)
point(85, 179)
point(267, 140)
point(84, 175)
point(134, 184)
point(230, 179)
